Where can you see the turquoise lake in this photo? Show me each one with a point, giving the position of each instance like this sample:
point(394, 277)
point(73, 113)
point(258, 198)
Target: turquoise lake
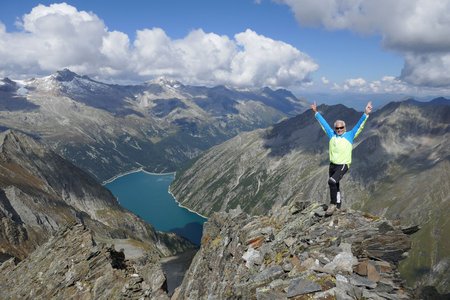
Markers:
point(147, 196)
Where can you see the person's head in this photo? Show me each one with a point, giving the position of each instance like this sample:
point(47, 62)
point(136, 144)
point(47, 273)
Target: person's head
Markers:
point(339, 127)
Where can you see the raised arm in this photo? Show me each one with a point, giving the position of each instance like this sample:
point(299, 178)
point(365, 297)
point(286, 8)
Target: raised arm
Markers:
point(368, 109)
point(314, 107)
point(323, 123)
point(362, 121)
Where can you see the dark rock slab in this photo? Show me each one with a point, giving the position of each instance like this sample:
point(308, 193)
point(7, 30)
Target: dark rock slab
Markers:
point(300, 286)
point(269, 274)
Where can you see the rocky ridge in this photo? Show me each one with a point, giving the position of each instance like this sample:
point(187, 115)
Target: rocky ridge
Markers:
point(70, 265)
point(295, 253)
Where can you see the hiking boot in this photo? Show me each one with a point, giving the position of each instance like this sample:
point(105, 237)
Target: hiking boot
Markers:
point(330, 210)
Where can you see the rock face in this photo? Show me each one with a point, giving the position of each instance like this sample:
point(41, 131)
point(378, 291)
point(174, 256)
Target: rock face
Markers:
point(400, 167)
point(294, 253)
point(107, 129)
point(72, 266)
point(40, 192)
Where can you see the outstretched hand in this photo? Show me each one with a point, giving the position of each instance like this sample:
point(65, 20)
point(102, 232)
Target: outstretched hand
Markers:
point(368, 109)
point(314, 107)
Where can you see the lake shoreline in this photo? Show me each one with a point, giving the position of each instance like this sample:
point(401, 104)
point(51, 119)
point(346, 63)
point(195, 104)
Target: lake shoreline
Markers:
point(141, 169)
point(181, 205)
point(151, 173)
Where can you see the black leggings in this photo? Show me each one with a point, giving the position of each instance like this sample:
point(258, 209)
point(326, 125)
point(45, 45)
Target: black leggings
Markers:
point(336, 172)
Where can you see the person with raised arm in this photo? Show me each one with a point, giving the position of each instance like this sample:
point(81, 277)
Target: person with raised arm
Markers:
point(340, 148)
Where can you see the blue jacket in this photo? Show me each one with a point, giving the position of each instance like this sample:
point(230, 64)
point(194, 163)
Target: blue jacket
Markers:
point(341, 146)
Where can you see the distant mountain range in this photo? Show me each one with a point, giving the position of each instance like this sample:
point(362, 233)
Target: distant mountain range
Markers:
point(358, 101)
point(400, 169)
point(107, 129)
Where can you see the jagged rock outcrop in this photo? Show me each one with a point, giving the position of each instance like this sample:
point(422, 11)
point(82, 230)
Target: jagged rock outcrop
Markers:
point(40, 192)
point(72, 266)
point(296, 253)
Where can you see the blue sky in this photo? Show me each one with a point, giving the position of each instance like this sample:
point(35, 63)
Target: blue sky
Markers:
point(302, 45)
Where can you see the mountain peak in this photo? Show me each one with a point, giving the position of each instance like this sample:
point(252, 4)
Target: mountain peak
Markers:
point(6, 80)
point(164, 81)
point(440, 100)
point(7, 85)
point(65, 75)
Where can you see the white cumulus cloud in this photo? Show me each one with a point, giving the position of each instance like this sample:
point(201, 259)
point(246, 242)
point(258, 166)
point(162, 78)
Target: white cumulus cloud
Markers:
point(418, 29)
point(355, 82)
point(385, 85)
point(116, 49)
point(60, 36)
point(268, 62)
